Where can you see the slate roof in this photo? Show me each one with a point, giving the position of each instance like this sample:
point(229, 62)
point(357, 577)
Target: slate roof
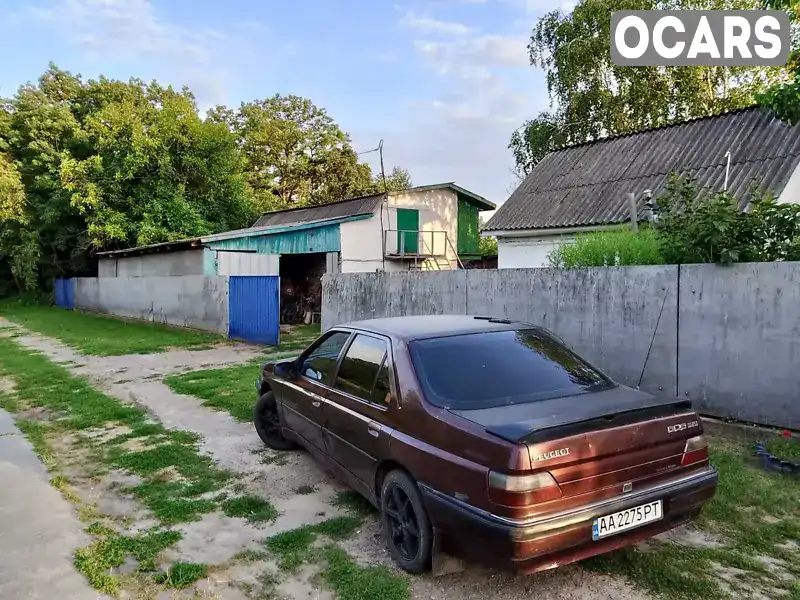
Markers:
point(348, 207)
point(587, 184)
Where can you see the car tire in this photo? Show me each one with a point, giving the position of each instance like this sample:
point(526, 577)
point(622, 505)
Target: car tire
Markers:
point(405, 524)
point(268, 425)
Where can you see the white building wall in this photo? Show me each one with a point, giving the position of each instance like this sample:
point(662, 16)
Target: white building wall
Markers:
point(438, 211)
point(361, 248)
point(362, 240)
point(791, 193)
point(528, 252)
point(247, 263)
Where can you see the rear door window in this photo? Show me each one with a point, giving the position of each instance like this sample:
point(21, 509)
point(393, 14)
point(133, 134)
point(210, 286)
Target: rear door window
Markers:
point(364, 372)
point(482, 370)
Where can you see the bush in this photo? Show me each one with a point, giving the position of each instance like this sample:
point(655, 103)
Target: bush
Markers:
point(609, 248)
point(708, 229)
point(713, 229)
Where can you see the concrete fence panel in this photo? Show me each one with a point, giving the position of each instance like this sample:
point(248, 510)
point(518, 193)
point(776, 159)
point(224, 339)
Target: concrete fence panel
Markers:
point(739, 352)
point(372, 295)
point(190, 301)
point(727, 338)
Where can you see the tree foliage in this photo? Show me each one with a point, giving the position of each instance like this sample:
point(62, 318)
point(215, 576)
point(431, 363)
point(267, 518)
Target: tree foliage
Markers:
point(713, 229)
point(783, 97)
point(487, 245)
point(296, 154)
point(591, 97)
point(104, 164)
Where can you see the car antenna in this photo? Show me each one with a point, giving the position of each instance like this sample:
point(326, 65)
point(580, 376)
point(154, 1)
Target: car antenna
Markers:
point(653, 339)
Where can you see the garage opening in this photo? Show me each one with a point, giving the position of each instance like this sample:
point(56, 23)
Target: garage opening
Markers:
point(301, 287)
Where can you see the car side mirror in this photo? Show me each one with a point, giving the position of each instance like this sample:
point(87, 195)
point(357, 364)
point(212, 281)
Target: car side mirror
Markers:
point(286, 370)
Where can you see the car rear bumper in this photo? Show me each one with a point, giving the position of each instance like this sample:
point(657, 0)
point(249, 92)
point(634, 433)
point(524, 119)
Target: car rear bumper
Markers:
point(556, 539)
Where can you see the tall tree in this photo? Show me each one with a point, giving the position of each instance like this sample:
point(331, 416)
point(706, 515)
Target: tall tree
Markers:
point(296, 154)
point(397, 180)
point(107, 164)
point(592, 97)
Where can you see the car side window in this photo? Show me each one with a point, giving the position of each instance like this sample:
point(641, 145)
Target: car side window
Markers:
point(320, 364)
point(364, 372)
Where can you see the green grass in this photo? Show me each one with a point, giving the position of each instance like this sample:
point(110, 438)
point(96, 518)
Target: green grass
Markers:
point(294, 547)
point(175, 477)
point(100, 335)
point(305, 490)
point(231, 389)
point(785, 448)
point(754, 512)
point(251, 508)
point(351, 581)
point(36, 432)
point(110, 550)
point(354, 502)
point(182, 575)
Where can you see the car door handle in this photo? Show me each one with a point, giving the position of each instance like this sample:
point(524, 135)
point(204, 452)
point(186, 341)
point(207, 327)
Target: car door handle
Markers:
point(374, 429)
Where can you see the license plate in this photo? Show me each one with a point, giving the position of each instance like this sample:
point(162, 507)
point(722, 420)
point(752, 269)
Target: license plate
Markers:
point(626, 519)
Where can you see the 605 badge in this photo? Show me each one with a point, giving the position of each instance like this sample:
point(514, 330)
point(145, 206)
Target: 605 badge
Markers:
point(681, 426)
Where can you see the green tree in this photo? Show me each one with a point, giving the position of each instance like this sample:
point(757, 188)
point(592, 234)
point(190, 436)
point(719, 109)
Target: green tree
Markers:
point(783, 97)
point(296, 154)
point(107, 164)
point(396, 181)
point(591, 97)
point(487, 245)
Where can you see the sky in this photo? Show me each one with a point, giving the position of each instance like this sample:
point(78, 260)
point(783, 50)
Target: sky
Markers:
point(443, 83)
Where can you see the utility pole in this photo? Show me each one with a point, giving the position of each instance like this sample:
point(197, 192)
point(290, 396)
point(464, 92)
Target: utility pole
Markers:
point(634, 213)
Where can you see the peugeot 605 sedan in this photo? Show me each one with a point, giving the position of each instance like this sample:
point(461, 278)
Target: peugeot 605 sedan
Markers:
point(487, 439)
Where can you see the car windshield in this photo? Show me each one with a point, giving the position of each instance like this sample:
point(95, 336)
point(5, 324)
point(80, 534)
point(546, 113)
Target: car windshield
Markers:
point(483, 370)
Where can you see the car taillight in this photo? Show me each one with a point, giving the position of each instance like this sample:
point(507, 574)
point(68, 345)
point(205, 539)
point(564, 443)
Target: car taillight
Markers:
point(522, 490)
point(696, 450)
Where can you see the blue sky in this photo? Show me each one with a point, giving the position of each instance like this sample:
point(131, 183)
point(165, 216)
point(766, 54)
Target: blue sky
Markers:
point(442, 82)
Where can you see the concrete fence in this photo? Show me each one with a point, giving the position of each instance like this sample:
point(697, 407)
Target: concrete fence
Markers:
point(243, 307)
point(727, 338)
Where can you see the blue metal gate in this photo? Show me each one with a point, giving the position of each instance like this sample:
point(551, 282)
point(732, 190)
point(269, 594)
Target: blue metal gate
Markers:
point(65, 293)
point(254, 308)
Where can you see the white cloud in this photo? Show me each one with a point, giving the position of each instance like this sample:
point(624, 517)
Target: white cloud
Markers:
point(133, 32)
point(430, 25)
point(126, 29)
point(463, 134)
point(485, 52)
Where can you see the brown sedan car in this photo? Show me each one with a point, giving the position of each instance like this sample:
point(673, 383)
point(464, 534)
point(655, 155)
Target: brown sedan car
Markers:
point(487, 439)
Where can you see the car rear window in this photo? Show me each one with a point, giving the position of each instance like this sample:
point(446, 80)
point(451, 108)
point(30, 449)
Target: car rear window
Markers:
point(482, 370)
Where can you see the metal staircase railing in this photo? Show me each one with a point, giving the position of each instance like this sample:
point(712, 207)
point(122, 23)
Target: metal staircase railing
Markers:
point(428, 253)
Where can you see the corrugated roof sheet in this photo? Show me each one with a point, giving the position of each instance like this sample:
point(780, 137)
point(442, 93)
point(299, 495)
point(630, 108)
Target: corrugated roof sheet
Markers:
point(333, 210)
point(587, 184)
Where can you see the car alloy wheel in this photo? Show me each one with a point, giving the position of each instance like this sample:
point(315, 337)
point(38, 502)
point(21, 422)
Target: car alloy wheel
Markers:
point(268, 423)
point(403, 525)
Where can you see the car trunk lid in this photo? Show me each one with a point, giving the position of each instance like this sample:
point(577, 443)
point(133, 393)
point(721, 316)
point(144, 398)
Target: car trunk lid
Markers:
point(596, 440)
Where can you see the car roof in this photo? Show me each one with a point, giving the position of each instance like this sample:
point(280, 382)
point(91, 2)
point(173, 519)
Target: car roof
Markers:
point(433, 326)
